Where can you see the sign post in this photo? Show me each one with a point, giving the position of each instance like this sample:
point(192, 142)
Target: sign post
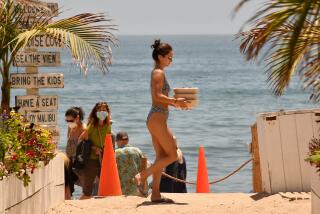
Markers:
point(36, 80)
point(39, 109)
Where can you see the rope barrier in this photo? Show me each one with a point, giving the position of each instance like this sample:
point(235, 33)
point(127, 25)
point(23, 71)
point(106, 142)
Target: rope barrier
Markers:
point(213, 182)
point(177, 179)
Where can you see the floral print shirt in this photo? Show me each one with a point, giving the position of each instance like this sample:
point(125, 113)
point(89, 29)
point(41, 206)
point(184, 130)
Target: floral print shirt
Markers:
point(129, 164)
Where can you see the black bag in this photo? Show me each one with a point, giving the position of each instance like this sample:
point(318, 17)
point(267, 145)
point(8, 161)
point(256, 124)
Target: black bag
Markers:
point(83, 152)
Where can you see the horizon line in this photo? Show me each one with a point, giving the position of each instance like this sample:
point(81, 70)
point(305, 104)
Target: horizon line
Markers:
point(177, 34)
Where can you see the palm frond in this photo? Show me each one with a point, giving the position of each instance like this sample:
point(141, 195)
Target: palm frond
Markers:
point(281, 31)
point(89, 37)
point(240, 5)
point(310, 71)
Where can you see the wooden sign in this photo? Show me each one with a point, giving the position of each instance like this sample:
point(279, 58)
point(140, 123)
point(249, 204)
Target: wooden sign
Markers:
point(54, 130)
point(45, 41)
point(44, 80)
point(40, 10)
point(28, 22)
point(37, 59)
point(33, 102)
point(41, 117)
point(36, 8)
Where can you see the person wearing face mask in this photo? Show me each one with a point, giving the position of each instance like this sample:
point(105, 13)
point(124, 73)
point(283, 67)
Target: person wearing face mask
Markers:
point(99, 124)
point(74, 117)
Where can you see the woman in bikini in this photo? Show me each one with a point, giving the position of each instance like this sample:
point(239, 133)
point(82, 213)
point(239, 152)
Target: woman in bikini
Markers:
point(162, 138)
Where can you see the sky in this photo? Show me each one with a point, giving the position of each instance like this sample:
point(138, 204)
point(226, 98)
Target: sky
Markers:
point(151, 17)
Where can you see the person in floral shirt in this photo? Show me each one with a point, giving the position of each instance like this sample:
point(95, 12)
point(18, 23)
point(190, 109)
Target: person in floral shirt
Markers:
point(129, 162)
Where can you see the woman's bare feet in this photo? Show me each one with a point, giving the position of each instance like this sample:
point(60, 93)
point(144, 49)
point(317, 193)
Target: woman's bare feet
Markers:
point(161, 199)
point(141, 185)
point(155, 197)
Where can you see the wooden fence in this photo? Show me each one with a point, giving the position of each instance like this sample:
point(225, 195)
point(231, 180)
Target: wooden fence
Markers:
point(280, 146)
point(46, 190)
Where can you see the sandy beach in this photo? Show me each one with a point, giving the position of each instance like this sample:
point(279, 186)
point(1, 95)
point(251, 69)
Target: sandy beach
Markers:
point(220, 203)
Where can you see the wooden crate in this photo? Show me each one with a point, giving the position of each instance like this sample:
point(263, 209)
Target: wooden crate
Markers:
point(283, 146)
point(2, 200)
point(315, 191)
point(256, 168)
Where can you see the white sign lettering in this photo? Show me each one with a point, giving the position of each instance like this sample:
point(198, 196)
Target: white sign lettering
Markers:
point(37, 59)
point(41, 118)
point(45, 41)
point(44, 80)
point(33, 102)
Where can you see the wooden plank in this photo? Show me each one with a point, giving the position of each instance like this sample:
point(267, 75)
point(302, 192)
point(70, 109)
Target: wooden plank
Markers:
point(288, 195)
point(265, 177)
point(315, 183)
point(316, 124)
point(32, 91)
point(290, 153)
point(315, 204)
point(274, 154)
point(36, 8)
point(315, 191)
point(37, 59)
point(45, 41)
point(40, 102)
point(305, 134)
point(256, 171)
point(27, 22)
point(44, 80)
point(40, 9)
point(41, 118)
point(2, 199)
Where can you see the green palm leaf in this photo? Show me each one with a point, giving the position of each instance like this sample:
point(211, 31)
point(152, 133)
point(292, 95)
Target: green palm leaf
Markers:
point(282, 30)
point(87, 35)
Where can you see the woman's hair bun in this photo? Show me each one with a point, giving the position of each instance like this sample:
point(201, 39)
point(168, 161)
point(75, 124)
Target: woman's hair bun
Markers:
point(156, 44)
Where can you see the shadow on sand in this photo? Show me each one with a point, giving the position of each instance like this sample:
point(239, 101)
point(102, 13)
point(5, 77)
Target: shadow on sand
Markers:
point(150, 203)
point(260, 195)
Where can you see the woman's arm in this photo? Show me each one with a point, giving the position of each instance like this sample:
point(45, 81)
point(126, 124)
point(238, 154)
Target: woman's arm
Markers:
point(157, 85)
point(158, 96)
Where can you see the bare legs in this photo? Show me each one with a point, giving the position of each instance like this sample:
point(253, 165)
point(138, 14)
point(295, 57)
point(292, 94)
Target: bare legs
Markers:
point(67, 193)
point(157, 174)
point(165, 149)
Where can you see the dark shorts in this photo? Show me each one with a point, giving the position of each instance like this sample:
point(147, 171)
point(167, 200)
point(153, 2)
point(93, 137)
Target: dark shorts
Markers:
point(87, 176)
point(70, 177)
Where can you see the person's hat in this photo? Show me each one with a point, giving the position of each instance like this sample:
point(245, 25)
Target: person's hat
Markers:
point(122, 136)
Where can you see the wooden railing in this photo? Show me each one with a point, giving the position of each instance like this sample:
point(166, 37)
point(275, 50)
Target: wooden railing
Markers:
point(45, 191)
point(315, 192)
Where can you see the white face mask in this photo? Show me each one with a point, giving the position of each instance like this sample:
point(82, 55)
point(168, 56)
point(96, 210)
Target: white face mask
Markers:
point(72, 125)
point(102, 115)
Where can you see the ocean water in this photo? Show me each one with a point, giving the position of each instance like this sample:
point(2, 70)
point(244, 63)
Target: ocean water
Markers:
point(232, 93)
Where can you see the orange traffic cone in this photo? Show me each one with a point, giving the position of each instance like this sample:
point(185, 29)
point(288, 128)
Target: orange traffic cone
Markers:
point(109, 184)
point(202, 177)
